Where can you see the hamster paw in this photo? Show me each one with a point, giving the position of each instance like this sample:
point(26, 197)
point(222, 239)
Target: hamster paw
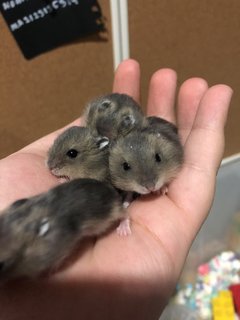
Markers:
point(164, 190)
point(124, 228)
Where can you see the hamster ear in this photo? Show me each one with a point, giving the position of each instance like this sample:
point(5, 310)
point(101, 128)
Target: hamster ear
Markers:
point(128, 121)
point(104, 105)
point(102, 142)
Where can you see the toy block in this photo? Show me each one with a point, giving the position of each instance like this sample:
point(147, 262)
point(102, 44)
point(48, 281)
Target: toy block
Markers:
point(222, 306)
point(235, 289)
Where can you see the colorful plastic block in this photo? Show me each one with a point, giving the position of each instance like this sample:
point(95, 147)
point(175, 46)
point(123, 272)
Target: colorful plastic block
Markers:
point(222, 306)
point(235, 289)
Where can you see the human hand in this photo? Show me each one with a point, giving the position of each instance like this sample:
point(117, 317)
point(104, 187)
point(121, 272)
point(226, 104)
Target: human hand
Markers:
point(131, 277)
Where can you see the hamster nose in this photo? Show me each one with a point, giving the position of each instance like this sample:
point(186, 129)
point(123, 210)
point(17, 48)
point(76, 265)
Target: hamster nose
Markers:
point(150, 186)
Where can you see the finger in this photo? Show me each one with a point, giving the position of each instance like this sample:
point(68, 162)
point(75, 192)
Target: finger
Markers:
point(127, 79)
point(193, 190)
point(205, 144)
point(161, 97)
point(190, 94)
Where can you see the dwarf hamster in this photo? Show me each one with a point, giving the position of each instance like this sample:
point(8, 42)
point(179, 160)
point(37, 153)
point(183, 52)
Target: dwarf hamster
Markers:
point(77, 153)
point(146, 160)
point(113, 115)
point(36, 234)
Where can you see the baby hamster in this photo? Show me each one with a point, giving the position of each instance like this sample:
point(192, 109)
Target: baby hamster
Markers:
point(76, 153)
point(36, 234)
point(113, 115)
point(146, 160)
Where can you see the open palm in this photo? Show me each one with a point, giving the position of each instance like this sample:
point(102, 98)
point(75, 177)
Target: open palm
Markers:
point(127, 277)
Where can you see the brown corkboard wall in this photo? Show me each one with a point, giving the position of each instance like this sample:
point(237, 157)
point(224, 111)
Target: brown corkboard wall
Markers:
point(45, 93)
point(196, 38)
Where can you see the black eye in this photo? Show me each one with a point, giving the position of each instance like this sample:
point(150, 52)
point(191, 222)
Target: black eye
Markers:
point(19, 203)
point(157, 157)
point(2, 265)
point(126, 166)
point(72, 153)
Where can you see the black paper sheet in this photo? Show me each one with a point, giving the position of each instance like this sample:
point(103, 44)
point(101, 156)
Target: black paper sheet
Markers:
point(41, 25)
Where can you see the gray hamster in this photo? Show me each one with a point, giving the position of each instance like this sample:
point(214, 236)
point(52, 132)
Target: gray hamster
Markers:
point(77, 153)
point(36, 234)
point(146, 160)
point(113, 115)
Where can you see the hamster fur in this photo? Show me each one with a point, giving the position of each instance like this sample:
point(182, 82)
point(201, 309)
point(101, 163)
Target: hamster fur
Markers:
point(76, 153)
point(146, 160)
point(113, 115)
point(36, 234)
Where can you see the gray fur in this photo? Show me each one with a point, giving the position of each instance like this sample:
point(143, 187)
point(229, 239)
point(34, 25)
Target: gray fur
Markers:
point(37, 234)
point(113, 115)
point(92, 158)
point(140, 149)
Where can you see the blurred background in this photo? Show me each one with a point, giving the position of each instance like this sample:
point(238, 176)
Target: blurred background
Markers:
point(196, 38)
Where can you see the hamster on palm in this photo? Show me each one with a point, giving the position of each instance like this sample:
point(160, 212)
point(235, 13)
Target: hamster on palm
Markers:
point(146, 160)
point(113, 115)
point(36, 234)
point(77, 153)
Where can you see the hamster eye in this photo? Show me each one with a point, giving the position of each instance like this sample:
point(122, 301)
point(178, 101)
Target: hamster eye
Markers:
point(72, 153)
point(126, 166)
point(2, 265)
point(19, 203)
point(157, 157)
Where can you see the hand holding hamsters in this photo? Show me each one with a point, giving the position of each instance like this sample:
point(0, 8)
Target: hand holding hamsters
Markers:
point(165, 227)
point(145, 155)
point(37, 233)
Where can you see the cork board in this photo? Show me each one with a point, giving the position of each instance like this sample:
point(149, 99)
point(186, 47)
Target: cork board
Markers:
point(196, 38)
